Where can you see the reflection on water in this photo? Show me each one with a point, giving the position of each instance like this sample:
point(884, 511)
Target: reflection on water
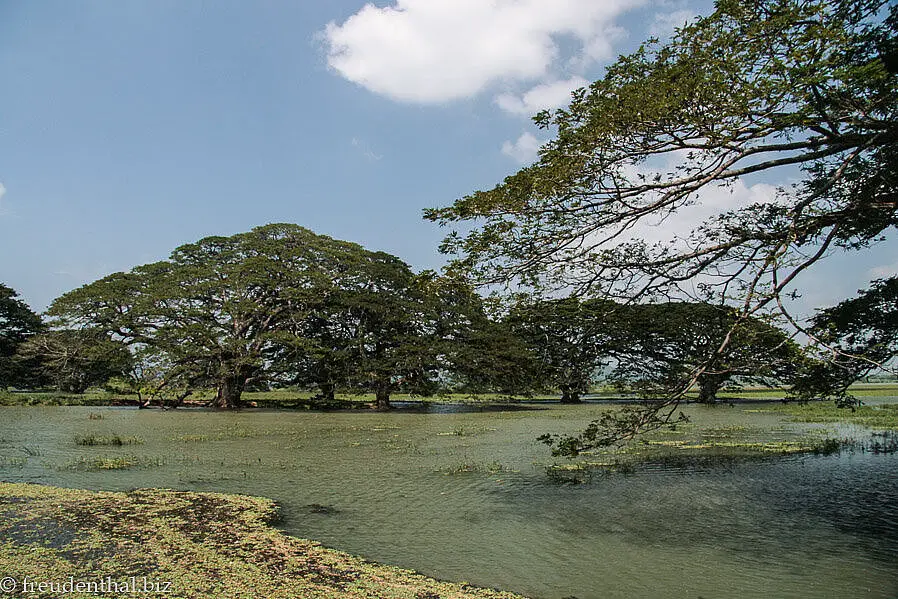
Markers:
point(465, 496)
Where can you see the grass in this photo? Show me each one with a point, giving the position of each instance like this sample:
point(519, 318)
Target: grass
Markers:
point(468, 466)
point(113, 440)
point(302, 399)
point(98, 463)
point(203, 544)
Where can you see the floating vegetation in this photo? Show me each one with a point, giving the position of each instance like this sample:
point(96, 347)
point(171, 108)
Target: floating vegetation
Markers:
point(206, 544)
point(122, 462)
point(468, 466)
point(883, 442)
point(466, 431)
point(881, 417)
point(324, 510)
point(190, 438)
point(113, 440)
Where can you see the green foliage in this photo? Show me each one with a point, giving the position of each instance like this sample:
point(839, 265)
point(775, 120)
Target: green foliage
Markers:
point(73, 360)
point(671, 346)
point(17, 323)
point(661, 350)
point(756, 87)
point(211, 313)
point(277, 305)
point(860, 334)
point(569, 340)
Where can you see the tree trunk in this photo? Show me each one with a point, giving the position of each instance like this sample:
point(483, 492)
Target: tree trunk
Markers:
point(382, 396)
point(230, 388)
point(327, 391)
point(708, 386)
point(569, 395)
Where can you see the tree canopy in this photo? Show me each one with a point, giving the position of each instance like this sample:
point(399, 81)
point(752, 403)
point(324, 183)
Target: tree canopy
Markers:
point(278, 304)
point(772, 87)
point(73, 360)
point(663, 344)
point(756, 86)
point(17, 324)
point(570, 340)
point(216, 308)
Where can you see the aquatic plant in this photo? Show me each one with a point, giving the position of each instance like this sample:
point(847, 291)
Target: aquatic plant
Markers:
point(115, 440)
point(203, 544)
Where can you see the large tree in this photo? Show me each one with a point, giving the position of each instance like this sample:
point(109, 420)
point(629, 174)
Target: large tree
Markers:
point(665, 343)
point(216, 308)
point(379, 329)
point(571, 340)
point(783, 88)
point(17, 323)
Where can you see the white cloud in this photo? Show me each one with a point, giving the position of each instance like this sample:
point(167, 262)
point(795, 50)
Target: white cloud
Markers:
point(431, 51)
point(524, 150)
point(2, 193)
point(544, 96)
point(708, 203)
point(664, 24)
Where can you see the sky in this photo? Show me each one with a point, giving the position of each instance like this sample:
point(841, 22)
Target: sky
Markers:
point(128, 128)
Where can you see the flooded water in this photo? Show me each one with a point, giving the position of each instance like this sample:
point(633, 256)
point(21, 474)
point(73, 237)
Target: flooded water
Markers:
point(465, 496)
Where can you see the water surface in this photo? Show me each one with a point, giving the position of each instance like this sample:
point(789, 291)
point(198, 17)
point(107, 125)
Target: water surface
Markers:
point(465, 496)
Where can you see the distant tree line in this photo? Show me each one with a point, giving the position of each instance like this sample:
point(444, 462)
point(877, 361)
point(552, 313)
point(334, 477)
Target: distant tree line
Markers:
point(282, 306)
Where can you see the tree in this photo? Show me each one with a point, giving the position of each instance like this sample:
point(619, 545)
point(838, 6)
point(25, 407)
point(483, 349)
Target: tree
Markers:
point(386, 329)
point(759, 86)
point(17, 324)
point(570, 340)
point(217, 308)
point(489, 357)
point(861, 336)
point(663, 344)
point(74, 360)
point(373, 332)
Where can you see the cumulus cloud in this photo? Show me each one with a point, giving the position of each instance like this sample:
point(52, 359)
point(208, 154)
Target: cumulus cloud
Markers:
point(541, 97)
point(429, 51)
point(524, 150)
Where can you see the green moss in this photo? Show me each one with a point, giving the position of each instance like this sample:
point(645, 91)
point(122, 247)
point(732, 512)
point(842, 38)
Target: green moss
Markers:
point(204, 544)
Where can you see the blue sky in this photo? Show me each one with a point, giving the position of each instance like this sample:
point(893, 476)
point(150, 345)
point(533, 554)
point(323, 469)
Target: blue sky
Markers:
point(128, 128)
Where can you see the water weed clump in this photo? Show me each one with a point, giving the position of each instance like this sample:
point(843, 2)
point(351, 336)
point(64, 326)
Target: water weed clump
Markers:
point(113, 440)
point(879, 417)
point(470, 466)
point(97, 463)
